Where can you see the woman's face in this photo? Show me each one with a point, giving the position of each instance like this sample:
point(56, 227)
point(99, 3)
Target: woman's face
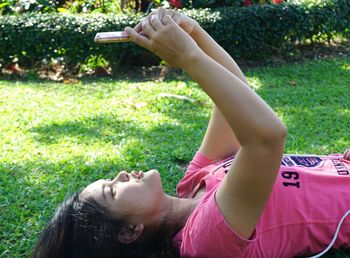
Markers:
point(134, 194)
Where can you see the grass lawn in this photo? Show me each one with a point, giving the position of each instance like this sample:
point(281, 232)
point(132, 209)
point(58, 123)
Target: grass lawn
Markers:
point(56, 138)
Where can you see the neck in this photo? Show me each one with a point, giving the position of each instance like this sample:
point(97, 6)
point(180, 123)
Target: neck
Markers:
point(177, 211)
point(171, 216)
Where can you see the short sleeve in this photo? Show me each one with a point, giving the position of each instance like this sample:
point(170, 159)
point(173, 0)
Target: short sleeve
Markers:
point(208, 235)
point(195, 172)
point(199, 161)
point(199, 167)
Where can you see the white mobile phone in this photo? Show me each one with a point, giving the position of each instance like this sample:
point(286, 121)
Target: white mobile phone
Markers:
point(114, 36)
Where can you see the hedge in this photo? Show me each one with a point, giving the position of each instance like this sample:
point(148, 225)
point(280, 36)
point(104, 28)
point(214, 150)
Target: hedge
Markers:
point(247, 32)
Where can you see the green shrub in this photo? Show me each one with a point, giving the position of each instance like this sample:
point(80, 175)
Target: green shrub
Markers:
point(33, 38)
point(258, 31)
point(252, 32)
point(75, 6)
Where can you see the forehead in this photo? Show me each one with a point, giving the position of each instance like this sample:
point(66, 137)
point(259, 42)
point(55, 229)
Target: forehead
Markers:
point(93, 190)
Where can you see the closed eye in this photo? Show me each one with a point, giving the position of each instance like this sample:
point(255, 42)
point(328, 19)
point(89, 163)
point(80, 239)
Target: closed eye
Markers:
point(113, 192)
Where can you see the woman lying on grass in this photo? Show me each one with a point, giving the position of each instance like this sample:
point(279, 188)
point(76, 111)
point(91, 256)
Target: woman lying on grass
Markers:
point(240, 197)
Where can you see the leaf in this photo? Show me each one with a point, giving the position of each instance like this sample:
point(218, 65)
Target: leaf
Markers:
point(4, 4)
point(140, 105)
point(293, 83)
point(62, 10)
point(168, 95)
point(44, 2)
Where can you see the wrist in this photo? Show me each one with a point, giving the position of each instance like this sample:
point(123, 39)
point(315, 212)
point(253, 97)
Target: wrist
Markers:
point(192, 59)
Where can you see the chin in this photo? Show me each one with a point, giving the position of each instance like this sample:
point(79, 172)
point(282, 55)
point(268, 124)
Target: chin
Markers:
point(154, 178)
point(153, 172)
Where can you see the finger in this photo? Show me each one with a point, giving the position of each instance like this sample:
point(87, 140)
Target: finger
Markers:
point(147, 28)
point(149, 16)
point(176, 19)
point(138, 38)
point(168, 20)
point(161, 12)
point(156, 23)
point(138, 27)
point(172, 13)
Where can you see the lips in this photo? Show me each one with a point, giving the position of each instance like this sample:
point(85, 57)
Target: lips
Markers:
point(137, 175)
point(140, 175)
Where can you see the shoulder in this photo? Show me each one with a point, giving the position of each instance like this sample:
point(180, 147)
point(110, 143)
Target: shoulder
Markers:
point(199, 168)
point(207, 223)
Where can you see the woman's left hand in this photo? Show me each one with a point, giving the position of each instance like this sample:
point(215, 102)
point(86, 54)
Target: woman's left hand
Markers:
point(166, 39)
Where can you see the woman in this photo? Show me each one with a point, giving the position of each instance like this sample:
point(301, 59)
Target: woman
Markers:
point(235, 200)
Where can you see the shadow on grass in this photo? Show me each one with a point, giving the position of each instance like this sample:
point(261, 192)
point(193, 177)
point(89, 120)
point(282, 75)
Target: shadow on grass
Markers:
point(166, 146)
point(133, 74)
point(30, 191)
point(315, 108)
point(186, 121)
point(103, 128)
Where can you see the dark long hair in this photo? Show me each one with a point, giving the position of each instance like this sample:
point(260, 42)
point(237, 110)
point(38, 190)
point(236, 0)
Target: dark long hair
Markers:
point(83, 228)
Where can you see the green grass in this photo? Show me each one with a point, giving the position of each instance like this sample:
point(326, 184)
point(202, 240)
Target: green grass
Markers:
point(56, 138)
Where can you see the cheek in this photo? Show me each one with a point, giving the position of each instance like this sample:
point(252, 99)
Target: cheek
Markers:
point(130, 195)
point(140, 196)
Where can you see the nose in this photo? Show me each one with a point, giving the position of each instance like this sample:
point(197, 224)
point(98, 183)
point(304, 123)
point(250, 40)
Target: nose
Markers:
point(123, 176)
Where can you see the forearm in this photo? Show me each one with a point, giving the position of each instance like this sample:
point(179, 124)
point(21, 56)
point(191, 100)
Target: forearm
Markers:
point(219, 140)
point(226, 136)
point(251, 119)
point(216, 52)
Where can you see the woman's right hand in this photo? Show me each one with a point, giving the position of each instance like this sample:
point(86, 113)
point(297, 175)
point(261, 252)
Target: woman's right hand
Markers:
point(186, 23)
point(166, 39)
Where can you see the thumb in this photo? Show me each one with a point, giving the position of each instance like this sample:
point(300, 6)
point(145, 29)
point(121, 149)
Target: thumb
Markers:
point(168, 20)
point(138, 38)
point(131, 32)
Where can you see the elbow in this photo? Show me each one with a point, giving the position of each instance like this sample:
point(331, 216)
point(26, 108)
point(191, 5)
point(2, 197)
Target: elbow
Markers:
point(276, 137)
point(272, 138)
point(281, 132)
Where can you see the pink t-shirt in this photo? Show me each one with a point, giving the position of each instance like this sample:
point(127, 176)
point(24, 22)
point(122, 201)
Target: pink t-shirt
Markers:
point(310, 196)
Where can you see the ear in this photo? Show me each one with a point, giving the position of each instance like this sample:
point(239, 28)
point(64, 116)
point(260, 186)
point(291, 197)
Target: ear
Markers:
point(130, 233)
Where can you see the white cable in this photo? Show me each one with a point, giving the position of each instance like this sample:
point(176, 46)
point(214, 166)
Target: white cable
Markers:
point(330, 156)
point(334, 238)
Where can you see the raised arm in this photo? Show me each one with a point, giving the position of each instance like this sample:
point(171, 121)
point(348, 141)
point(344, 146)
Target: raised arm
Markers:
point(219, 140)
point(245, 190)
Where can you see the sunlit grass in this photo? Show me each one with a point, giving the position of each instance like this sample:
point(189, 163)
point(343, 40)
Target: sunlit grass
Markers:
point(56, 138)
